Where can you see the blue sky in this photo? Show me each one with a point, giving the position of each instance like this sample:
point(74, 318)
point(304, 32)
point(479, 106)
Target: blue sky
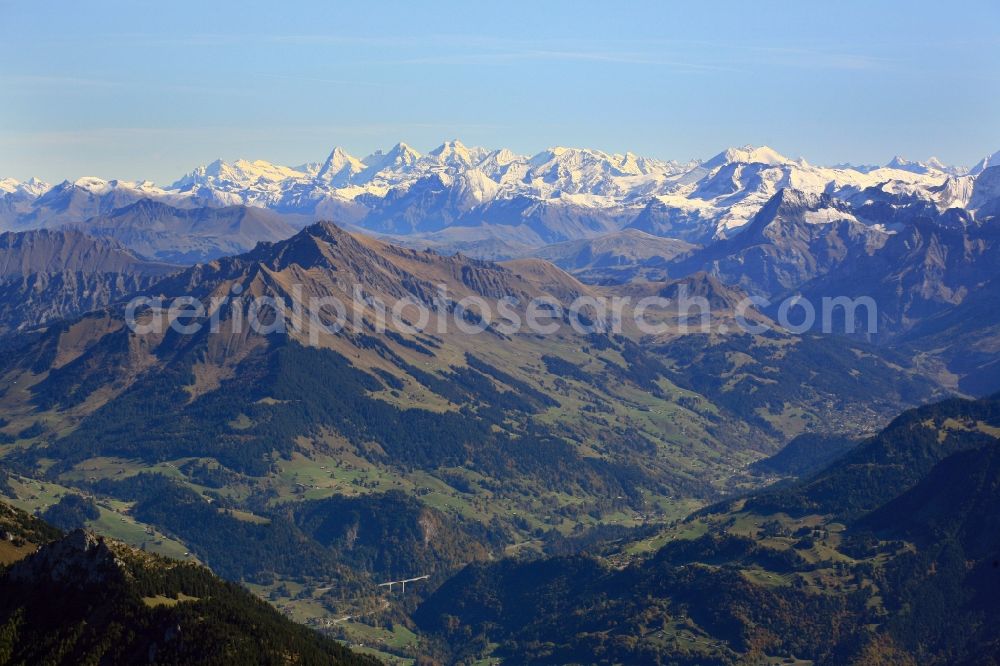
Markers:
point(150, 90)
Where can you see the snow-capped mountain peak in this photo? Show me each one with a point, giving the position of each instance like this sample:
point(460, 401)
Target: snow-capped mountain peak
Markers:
point(985, 163)
point(211, 169)
point(902, 164)
point(748, 154)
point(389, 168)
point(339, 158)
point(932, 165)
point(456, 154)
point(9, 185)
point(340, 167)
point(260, 170)
point(935, 163)
point(238, 174)
point(475, 186)
point(581, 159)
point(498, 164)
point(398, 156)
point(93, 184)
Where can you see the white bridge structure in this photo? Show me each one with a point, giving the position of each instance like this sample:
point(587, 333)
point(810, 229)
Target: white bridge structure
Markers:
point(330, 622)
point(403, 583)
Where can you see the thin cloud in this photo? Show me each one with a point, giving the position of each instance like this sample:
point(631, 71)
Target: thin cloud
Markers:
point(472, 49)
point(818, 58)
point(58, 81)
point(314, 79)
point(62, 83)
point(625, 58)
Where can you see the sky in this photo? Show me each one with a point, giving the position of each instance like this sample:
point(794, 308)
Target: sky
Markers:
point(139, 90)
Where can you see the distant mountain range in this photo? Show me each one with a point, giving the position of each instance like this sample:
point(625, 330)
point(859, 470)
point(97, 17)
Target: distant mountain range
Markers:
point(483, 197)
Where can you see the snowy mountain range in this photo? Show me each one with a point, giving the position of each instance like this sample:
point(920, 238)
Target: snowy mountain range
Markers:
point(493, 203)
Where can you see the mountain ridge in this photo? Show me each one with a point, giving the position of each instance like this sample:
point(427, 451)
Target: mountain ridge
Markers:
point(558, 194)
point(51, 274)
point(122, 605)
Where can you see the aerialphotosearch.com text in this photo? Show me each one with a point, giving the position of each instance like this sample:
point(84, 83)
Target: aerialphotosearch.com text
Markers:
point(313, 317)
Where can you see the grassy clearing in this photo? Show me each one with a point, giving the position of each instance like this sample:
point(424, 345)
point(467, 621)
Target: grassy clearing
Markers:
point(246, 516)
point(36, 496)
point(162, 600)
point(381, 642)
point(9, 553)
point(679, 532)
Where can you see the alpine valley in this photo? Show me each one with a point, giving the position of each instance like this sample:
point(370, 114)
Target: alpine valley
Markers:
point(770, 493)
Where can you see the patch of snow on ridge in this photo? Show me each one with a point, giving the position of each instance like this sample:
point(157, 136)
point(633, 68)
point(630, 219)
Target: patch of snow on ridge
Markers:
point(827, 215)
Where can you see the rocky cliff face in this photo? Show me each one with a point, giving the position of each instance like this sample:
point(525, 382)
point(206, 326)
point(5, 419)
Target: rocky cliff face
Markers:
point(81, 559)
point(794, 238)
